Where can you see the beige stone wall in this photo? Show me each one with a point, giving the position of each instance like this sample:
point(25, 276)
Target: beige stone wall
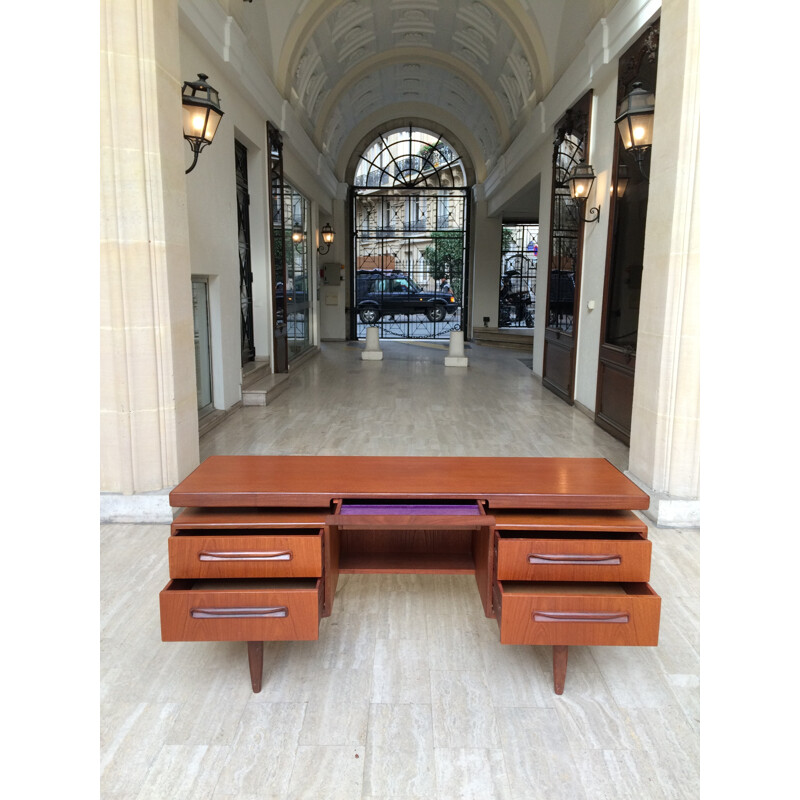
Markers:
point(148, 403)
point(665, 435)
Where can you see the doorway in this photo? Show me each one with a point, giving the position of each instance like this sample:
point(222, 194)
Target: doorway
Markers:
point(566, 245)
point(623, 282)
point(245, 266)
point(202, 345)
point(410, 231)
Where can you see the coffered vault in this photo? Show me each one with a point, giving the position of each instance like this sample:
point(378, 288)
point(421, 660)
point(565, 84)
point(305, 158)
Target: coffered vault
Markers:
point(343, 64)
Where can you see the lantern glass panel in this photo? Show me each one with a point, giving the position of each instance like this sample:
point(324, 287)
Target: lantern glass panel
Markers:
point(211, 126)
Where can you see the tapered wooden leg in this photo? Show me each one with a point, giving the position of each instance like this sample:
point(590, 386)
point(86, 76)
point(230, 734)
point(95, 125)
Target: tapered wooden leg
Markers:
point(255, 655)
point(559, 667)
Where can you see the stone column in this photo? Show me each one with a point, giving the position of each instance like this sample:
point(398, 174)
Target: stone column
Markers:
point(456, 356)
point(148, 405)
point(372, 351)
point(665, 425)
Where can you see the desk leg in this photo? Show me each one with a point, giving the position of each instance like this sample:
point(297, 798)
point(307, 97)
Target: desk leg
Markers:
point(255, 656)
point(559, 667)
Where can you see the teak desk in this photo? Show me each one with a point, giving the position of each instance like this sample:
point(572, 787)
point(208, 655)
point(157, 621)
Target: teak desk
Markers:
point(557, 554)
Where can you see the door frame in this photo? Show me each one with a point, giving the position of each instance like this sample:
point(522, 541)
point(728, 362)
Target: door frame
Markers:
point(560, 346)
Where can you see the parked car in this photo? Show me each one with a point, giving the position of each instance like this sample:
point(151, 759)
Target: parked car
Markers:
point(388, 293)
point(297, 292)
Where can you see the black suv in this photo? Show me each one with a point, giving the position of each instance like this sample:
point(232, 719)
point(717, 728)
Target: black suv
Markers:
point(382, 293)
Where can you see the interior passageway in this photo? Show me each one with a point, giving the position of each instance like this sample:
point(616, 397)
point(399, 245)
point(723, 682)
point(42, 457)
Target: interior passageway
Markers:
point(411, 404)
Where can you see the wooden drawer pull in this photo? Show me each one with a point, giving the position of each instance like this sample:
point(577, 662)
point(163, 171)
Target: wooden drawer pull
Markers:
point(581, 559)
point(234, 555)
point(579, 616)
point(239, 613)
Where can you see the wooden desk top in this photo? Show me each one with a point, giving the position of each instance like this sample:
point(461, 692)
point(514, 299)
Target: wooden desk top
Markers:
point(260, 481)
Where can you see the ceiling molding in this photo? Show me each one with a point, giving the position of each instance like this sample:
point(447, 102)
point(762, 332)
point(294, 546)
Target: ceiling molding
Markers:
point(414, 55)
point(494, 46)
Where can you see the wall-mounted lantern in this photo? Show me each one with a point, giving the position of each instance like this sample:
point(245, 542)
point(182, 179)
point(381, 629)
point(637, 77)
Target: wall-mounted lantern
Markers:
point(201, 114)
point(328, 235)
point(580, 183)
point(635, 122)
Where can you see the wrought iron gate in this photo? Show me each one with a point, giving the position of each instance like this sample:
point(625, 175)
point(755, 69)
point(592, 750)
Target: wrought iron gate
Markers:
point(410, 233)
point(519, 258)
point(245, 269)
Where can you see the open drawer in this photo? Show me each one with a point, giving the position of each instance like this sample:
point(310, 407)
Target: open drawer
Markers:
point(240, 610)
point(577, 613)
point(217, 554)
point(409, 514)
point(572, 556)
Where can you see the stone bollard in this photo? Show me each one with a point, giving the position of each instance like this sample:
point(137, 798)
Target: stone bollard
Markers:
point(372, 352)
point(456, 357)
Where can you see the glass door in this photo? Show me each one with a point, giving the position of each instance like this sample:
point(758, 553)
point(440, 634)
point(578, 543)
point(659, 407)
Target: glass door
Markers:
point(202, 345)
point(298, 277)
point(623, 284)
point(566, 244)
point(278, 235)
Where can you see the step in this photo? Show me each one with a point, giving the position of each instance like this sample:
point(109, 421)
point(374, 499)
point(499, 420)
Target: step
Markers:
point(496, 337)
point(265, 390)
point(254, 372)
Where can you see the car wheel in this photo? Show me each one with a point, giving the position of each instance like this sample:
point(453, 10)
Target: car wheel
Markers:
point(437, 313)
point(369, 315)
point(529, 320)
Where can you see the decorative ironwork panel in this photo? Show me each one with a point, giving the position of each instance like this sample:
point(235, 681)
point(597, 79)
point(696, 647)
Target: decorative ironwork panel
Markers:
point(245, 268)
point(277, 233)
point(296, 292)
point(410, 237)
point(411, 158)
point(410, 260)
point(629, 207)
point(569, 150)
point(519, 260)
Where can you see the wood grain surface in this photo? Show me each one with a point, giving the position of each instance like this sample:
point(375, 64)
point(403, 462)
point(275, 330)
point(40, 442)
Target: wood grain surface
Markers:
point(554, 483)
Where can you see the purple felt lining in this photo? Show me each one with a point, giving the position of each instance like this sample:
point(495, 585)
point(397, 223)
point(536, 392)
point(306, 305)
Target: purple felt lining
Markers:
point(412, 508)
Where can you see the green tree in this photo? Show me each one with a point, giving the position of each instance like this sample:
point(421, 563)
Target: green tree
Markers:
point(509, 241)
point(445, 258)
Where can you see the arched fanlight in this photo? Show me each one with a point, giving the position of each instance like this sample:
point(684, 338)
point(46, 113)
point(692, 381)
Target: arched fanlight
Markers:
point(201, 114)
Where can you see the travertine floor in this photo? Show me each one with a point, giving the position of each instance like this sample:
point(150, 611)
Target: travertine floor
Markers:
point(407, 693)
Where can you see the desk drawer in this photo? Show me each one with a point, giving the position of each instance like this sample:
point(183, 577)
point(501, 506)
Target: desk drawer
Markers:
point(574, 559)
point(250, 556)
point(577, 613)
point(240, 610)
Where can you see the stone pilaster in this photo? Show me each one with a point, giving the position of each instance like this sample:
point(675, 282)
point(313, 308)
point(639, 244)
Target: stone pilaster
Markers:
point(148, 407)
point(665, 426)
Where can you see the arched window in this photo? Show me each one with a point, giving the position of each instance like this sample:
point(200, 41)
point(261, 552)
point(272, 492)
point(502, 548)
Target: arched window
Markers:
point(410, 236)
point(412, 158)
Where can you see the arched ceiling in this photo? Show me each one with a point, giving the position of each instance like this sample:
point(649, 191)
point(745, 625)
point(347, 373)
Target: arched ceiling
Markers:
point(484, 63)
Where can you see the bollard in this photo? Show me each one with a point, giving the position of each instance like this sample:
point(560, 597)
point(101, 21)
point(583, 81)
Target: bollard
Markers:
point(456, 357)
point(372, 352)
